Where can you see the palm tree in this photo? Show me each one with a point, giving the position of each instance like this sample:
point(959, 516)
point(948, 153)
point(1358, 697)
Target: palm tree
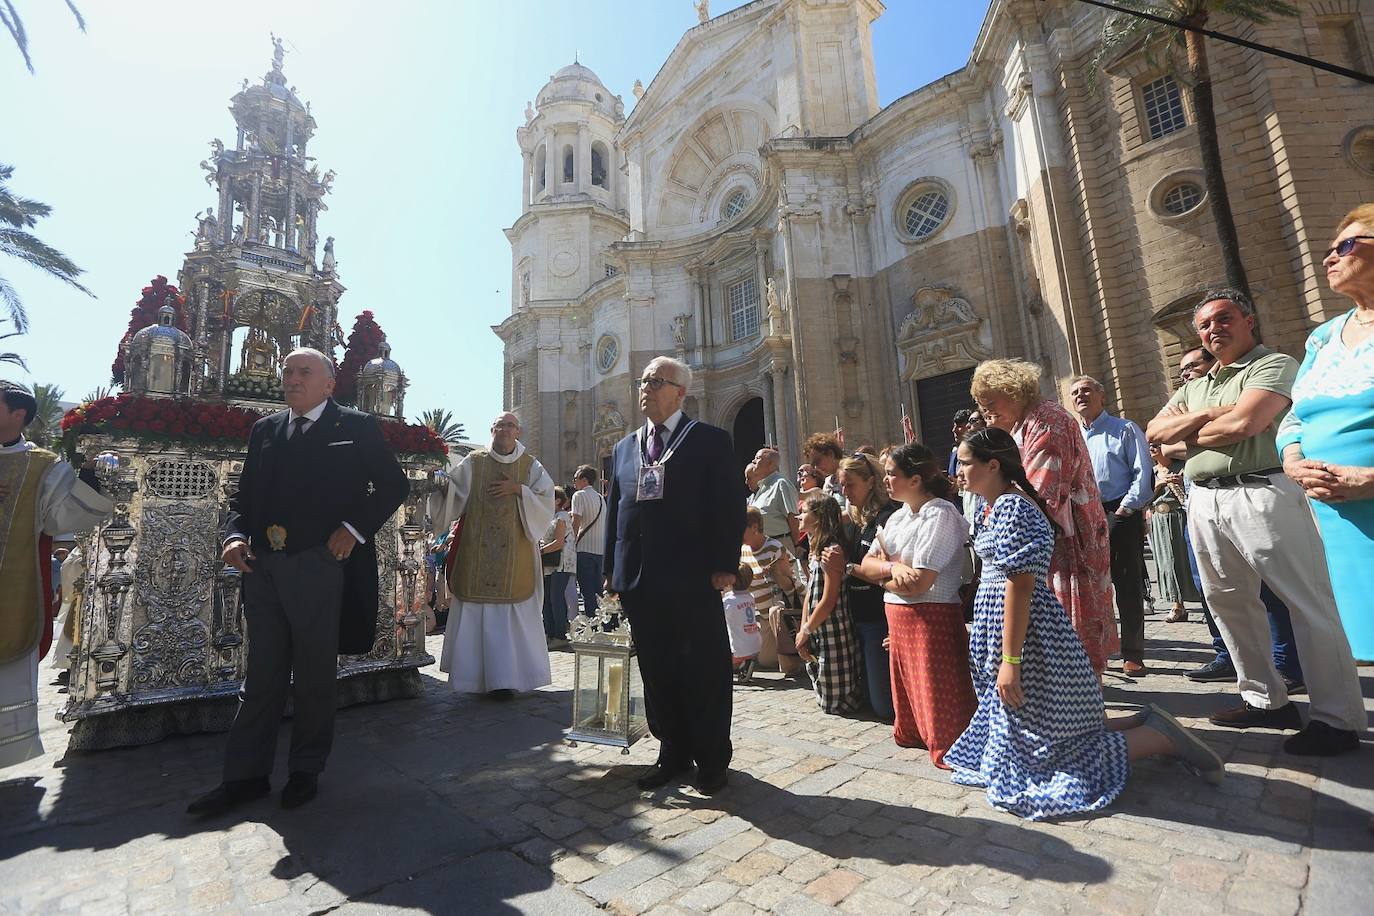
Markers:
point(46, 427)
point(12, 358)
point(9, 17)
point(1185, 54)
point(18, 214)
point(441, 421)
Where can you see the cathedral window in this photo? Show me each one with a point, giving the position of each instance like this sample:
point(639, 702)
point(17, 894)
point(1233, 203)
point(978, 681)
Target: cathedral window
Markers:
point(541, 168)
point(517, 389)
point(598, 166)
point(1177, 195)
point(567, 165)
point(1359, 149)
point(735, 203)
point(744, 309)
point(1163, 107)
point(612, 270)
point(1181, 198)
point(925, 212)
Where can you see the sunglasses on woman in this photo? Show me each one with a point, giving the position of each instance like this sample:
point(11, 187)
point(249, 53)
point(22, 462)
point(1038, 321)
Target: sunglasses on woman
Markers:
point(1345, 246)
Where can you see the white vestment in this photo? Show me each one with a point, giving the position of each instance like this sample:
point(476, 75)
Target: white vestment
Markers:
point(64, 504)
point(498, 646)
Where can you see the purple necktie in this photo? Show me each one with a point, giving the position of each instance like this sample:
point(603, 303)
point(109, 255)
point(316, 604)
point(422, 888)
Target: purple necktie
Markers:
point(656, 444)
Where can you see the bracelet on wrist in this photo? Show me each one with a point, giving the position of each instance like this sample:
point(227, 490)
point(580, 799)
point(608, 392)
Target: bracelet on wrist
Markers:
point(1011, 659)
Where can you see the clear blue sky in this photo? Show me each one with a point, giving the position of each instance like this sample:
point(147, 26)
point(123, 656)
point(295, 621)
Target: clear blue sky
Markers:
point(417, 103)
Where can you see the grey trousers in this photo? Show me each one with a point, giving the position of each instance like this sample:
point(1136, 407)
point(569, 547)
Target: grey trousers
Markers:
point(291, 606)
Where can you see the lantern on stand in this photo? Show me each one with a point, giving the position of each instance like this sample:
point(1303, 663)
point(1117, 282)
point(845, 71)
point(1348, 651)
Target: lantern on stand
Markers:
point(608, 692)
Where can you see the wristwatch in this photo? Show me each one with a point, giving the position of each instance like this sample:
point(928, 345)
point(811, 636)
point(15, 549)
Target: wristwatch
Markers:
point(849, 568)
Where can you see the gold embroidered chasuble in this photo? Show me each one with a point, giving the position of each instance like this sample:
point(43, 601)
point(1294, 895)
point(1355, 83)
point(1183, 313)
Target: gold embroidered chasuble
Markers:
point(495, 562)
point(21, 604)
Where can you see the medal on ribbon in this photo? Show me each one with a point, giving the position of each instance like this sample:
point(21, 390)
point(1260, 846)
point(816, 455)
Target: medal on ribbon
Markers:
point(276, 537)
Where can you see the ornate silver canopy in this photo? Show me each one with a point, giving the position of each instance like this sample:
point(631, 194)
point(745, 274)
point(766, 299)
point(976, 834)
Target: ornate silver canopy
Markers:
point(160, 358)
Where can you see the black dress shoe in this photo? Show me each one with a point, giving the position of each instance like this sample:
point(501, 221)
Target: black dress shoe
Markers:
point(1321, 740)
point(660, 774)
point(229, 795)
point(710, 782)
point(300, 788)
point(1247, 716)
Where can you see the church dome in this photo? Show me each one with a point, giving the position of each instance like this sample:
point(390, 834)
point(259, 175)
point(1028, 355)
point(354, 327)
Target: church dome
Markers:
point(575, 70)
point(577, 83)
point(158, 358)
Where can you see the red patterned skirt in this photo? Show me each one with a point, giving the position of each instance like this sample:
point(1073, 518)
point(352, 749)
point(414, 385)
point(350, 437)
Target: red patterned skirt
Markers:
point(932, 690)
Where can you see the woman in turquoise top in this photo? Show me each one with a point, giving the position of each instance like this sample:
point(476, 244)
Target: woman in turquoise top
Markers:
point(1327, 439)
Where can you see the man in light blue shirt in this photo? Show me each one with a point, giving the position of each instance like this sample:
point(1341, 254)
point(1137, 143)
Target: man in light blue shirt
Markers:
point(1121, 461)
point(776, 499)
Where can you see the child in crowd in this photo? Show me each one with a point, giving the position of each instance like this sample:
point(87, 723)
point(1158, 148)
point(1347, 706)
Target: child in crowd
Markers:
point(745, 638)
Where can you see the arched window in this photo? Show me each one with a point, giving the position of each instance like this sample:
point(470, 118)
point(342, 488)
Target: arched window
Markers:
point(541, 170)
point(568, 165)
point(735, 203)
point(598, 166)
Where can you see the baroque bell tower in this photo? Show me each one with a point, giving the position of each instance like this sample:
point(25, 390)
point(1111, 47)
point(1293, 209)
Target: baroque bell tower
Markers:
point(254, 273)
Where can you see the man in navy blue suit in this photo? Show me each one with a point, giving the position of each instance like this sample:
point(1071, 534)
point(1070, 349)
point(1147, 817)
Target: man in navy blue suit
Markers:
point(675, 518)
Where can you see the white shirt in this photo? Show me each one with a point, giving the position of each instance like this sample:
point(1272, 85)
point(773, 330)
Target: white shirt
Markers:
point(590, 510)
point(933, 538)
point(669, 425)
point(312, 416)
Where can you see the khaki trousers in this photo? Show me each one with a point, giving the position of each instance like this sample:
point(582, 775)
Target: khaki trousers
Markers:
point(1265, 532)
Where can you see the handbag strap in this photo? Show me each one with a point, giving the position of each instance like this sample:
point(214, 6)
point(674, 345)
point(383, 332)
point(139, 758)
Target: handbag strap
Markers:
point(601, 505)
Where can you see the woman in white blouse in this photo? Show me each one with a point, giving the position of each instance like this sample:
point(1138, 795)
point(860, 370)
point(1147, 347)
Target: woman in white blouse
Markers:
point(919, 556)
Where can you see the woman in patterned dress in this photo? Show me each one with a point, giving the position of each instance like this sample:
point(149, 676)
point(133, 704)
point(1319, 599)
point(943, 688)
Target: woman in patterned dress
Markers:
point(919, 558)
point(1038, 741)
point(1327, 439)
point(825, 639)
point(1058, 465)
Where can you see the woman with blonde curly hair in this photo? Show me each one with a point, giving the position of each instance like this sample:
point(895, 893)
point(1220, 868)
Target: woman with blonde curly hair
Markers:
point(1058, 465)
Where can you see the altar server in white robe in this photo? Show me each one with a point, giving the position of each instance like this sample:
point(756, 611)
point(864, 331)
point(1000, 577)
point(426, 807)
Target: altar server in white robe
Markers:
point(68, 613)
point(40, 496)
point(494, 643)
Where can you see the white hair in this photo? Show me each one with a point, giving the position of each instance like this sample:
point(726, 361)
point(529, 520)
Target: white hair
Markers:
point(1089, 379)
point(311, 351)
point(682, 372)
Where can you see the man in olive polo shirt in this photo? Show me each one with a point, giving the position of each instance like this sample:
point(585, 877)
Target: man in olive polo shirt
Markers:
point(1248, 522)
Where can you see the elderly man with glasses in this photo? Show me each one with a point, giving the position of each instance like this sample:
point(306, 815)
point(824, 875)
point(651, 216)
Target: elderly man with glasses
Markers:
point(776, 499)
point(1249, 523)
point(675, 520)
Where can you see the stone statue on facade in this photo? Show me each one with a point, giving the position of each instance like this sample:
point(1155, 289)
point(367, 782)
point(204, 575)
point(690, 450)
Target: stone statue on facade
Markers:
point(328, 264)
point(680, 330)
point(207, 228)
point(777, 321)
point(703, 10)
point(638, 90)
point(326, 180)
point(529, 112)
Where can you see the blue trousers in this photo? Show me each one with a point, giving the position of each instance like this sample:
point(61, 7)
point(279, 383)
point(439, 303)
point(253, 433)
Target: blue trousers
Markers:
point(1280, 625)
point(877, 672)
point(556, 604)
point(589, 580)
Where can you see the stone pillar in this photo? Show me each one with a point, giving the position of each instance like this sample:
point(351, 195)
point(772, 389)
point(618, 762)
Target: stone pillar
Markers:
point(526, 179)
point(582, 159)
point(698, 316)
point(553, 163)
point(770, 423)
point(783, 438)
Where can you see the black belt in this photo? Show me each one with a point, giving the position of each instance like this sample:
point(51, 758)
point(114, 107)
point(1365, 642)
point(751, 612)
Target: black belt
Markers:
point(1236, 480)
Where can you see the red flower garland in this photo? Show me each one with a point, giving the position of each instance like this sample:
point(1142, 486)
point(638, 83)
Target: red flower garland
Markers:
point(144, 313)
point(364, 345)
point(206, 422)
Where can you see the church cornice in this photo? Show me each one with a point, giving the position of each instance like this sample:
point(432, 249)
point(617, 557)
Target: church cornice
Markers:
point(595, 209)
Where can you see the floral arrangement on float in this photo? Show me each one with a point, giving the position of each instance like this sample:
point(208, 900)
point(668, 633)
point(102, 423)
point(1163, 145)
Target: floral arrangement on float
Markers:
point(154, 296)
point(364, 344)
point(205, 423)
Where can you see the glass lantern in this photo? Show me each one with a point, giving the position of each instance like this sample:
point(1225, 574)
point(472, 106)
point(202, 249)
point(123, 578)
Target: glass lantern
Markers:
point(608, 692)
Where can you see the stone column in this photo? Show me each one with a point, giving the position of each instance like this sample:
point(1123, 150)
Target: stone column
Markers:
point(527, 179)
point(698, 315)
point(582, 159)
point(783, 438)
point(770, 423)
point(553, 162)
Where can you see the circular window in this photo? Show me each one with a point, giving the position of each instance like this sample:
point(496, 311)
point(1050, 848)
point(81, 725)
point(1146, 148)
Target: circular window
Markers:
point(607, 353)
point(1181, 198)
point(1359, 149)
point(924, 210)
point(735, 203)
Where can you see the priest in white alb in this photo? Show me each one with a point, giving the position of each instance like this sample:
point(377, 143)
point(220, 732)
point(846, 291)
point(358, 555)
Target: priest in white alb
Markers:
point(40, 496)
point(494, 642)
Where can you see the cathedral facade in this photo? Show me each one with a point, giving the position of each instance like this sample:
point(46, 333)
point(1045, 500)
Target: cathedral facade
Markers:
point(821, 261)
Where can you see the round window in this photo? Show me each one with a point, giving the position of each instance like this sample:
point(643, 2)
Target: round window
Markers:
point(1359, 149)
point(926, 213)
point(607, 353)
point(735, 203)
point(1181, 198)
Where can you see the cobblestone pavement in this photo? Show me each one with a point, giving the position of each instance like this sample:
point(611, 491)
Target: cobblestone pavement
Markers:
point(449, 804)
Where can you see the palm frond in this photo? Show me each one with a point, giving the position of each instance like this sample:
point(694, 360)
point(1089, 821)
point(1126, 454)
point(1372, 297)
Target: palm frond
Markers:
point(14, 359)
point(32, 250)
point(80, 20)
point(9, 17)
point(21, 212)
point(18, 315)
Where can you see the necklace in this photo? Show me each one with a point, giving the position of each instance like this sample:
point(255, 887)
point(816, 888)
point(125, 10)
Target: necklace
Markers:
point(1360, 321)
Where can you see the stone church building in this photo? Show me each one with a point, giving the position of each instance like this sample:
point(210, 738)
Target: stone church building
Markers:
point(816, 258)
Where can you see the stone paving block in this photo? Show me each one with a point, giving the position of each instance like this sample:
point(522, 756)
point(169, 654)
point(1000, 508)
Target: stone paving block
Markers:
point(753, 867)
point(707, 897)
point(769, 892)
point(808, 868)
point(576, 869)
point(832, 887)
point(642, 898)
point(620, 878)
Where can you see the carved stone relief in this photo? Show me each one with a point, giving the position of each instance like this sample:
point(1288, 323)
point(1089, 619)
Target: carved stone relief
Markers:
point(941, 333)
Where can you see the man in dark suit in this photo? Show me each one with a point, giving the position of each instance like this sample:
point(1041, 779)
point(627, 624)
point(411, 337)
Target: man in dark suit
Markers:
point(300, 530)
point(675, 517)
